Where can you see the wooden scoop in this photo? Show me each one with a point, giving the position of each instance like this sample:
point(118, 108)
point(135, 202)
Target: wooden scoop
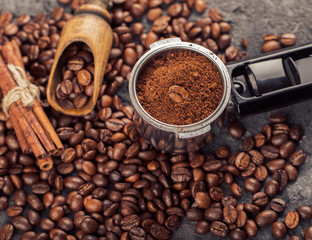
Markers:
point(90, 25)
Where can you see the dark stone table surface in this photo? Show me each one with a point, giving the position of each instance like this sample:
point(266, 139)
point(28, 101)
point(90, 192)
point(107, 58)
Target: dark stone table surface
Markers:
point(249, 19)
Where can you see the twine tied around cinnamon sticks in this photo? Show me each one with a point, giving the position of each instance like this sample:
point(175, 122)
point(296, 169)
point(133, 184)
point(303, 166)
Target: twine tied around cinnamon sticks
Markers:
point(32, 127)
point(24, 90)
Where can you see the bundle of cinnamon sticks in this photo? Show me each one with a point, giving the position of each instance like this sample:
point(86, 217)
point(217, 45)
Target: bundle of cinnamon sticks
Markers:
point(31, 125)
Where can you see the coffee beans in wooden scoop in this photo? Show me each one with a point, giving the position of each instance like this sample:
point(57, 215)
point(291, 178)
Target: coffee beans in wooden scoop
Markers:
point(77, 86)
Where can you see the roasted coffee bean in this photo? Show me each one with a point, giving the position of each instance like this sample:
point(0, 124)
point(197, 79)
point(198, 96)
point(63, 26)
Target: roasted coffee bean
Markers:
point(172, 222)
point(292, 172)
point(294, 237)
point(229, 214)
point(236, 129)
point(260, 199)
point(265, 218)
point(298, 157)
point(194, 214)
point(292, 219)
point(242, 161)
point(241, 218)
point(269, 151)
point(202, 227)
point(279, 229)
point(271, 188)
point(252, 185)
point(251, 228)
point(213, 214)
point(14, 211)
point(21, 223)
point(287, 148)
point(278, 205)
point(6, 231)
point(270, 46)
point(181, 174)
point(130, 221)
point(275, 165)
point(252, 208)
point(295, 133)
point(308, 233)
point(248, 143)
point(219, 229)
point(259, 139)
point(34, 202)
point(282, 178)
point(159, 232)
point(137, 233)
point(288, 39)
point(238, 233)
point(305, 212)
point(279, 139)
point(236, 190)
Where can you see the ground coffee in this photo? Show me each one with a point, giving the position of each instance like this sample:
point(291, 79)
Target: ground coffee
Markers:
point(179, 87)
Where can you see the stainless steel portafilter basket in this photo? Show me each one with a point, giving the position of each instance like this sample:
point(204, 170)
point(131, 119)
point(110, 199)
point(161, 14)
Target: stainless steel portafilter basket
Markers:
point(176, 138)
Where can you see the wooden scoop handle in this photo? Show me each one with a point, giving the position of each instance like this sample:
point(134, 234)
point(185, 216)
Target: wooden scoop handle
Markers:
point(97, 7)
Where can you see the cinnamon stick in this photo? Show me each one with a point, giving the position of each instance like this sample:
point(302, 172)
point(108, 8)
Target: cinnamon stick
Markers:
point(37, 108)
point(6, 85)
point(20, 137)
point(45, 163)
point(9, 56)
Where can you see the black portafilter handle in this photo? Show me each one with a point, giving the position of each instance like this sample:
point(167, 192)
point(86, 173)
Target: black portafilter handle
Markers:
point(271, 81)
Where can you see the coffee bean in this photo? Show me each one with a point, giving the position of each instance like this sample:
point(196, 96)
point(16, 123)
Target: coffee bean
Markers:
point(292, 172)
point(236, 190)
point(173, 222)
point(260, 199)
point(194, 214)
point(279, 139)
point(269, 151)
point(298, 157)
point(295, 133)
point(292, 219)
point(265, 218)
point(242, 161)
point(278, 205)
point(213, 214)
point(238, 233)
point(248, 143)
point(271, 188)
point(219, 229)
point(277, 117)
point(252, 208)
point(241, 219)
point(229, 214)
point(236, 129)
point(14, 211)
point(6, 231)
point(308, 233)
point(288, 39)
point(287, 148)
point(294, 237)
point(21, 223)
point(252, 185)
point(251, 228)
point(159, 232)
point(270, 46)
point(275, 165)
point(305, 212)
point(279, 229)
point(281, 177)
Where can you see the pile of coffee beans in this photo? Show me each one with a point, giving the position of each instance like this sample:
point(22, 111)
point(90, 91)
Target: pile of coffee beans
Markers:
point(77, 85)
point(109, 183)
point(274, 42)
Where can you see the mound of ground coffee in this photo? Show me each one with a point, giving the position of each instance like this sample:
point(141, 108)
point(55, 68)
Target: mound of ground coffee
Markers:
point(179, 87)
